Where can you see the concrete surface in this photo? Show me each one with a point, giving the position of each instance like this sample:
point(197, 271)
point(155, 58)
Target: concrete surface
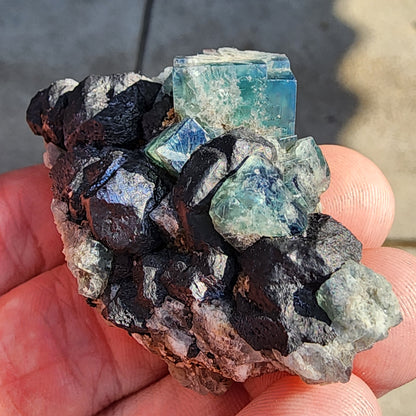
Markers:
point(355, 62)
point(400, 402)
point(45, 40)
point(380, 70)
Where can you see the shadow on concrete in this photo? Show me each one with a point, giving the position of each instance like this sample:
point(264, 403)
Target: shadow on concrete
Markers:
point(308, 32)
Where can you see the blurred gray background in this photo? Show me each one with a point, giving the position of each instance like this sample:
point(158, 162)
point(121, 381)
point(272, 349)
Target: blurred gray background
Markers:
point(355, 62)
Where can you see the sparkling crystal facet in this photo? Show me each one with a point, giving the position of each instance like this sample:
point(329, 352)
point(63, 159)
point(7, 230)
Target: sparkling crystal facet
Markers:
point(174, 146)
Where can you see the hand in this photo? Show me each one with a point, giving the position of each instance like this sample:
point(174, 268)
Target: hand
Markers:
point(59, 356)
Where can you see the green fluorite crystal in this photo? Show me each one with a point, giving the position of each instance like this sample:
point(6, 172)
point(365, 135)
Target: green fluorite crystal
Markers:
point(306, 172)
point(255, 202)
point(360, 304)
point(228, 88)
point(271, 198)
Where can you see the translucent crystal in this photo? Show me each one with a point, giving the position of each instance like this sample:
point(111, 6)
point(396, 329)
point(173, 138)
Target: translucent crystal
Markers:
point(255, 202)
point(360, 304)
point(228, 88)
point(306, 172)
point(288, 141)
point(174, 146)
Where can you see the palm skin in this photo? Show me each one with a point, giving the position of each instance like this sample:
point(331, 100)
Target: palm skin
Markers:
point(59, 356)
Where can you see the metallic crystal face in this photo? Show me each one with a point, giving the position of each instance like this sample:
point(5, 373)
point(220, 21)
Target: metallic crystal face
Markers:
point(174, 146)
point(228, 88)
point(128, 189)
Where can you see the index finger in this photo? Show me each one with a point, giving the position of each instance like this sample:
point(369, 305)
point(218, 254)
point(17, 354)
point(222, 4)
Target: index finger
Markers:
point(359, 195)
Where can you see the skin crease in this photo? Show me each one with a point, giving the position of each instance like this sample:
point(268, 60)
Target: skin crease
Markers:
point(58, 356)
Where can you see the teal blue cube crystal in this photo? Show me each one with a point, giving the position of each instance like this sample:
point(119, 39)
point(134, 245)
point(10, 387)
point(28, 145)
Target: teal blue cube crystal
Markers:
point(255, 202)
point(228, 88)
point(174, 146)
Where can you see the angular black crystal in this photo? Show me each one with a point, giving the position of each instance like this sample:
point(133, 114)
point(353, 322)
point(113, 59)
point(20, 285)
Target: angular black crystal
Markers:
point(282, 276)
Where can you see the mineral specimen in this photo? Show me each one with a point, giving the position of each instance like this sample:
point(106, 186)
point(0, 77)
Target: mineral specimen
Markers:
point(190, 213)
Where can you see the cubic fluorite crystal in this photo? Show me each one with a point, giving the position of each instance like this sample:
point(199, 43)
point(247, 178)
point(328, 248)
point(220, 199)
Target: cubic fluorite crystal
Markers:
point(190, 213)
point(225, 88)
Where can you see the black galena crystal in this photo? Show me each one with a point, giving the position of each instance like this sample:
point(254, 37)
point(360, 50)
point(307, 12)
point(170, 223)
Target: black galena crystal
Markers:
point(190, 212)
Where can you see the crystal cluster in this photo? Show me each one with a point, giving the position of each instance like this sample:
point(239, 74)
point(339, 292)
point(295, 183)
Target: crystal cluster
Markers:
point(190, 215)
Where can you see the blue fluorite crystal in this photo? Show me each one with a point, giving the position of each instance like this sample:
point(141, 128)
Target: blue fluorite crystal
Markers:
point(228, 88)
point(255, 202)
point(174, 146)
